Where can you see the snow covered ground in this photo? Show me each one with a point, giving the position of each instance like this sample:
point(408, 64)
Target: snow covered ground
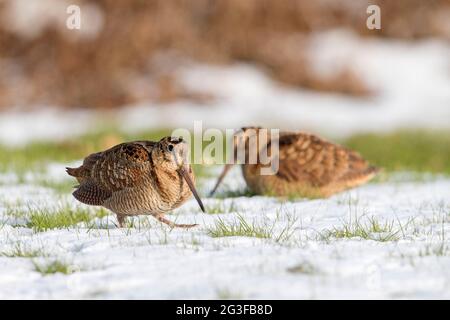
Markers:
point(383, 240)
point(302, 252)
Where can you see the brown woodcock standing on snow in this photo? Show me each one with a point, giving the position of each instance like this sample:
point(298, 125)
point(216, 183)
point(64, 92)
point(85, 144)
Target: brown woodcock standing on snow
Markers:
point(138, 178)
point(308, 166)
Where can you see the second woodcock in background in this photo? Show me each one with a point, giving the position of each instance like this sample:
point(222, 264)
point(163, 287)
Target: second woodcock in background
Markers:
point(308, 166)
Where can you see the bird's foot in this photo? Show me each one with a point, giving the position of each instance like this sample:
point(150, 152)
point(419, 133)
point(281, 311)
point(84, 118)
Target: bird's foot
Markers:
point(175, 225)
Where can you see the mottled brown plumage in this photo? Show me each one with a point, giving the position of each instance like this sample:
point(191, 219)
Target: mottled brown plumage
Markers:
point(137, 178)
point(308, 166)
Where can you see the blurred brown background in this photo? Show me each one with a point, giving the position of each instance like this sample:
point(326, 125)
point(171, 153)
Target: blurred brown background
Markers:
point(110, 62)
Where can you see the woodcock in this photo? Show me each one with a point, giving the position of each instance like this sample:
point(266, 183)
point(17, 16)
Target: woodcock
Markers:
point(308, 166)
point(138, 178)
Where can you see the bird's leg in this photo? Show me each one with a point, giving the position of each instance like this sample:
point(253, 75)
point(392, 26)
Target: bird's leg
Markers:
point(121, 220)
point(174, 225)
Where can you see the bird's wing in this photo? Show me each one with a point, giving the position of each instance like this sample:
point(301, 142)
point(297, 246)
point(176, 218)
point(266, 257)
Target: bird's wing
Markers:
point(305, 157)
point(120, 167)
point(103, 173)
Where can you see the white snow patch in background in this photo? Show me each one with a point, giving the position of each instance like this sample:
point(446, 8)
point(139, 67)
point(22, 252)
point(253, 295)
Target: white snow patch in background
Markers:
point(19, 128)
point(411, 82)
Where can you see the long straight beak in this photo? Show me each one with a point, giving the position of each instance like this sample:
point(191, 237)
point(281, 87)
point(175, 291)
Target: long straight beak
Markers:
point(188, 180)
point(226, 168)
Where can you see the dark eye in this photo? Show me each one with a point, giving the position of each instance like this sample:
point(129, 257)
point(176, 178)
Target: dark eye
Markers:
point(170, 147)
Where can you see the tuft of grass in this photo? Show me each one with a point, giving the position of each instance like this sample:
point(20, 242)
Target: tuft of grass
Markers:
point(64, 217)
point(408, 150)
point(238, 228)
point(242, 228)
point(370, 230)
point(21, 251)
point(49, 268)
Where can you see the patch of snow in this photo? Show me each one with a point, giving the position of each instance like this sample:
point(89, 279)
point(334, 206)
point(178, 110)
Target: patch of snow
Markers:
point(19, 128)
point(411, 82)
point(149, 260)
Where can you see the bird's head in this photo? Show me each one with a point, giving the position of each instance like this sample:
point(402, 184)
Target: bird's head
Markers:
point(246, 147)
point(173, 155)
